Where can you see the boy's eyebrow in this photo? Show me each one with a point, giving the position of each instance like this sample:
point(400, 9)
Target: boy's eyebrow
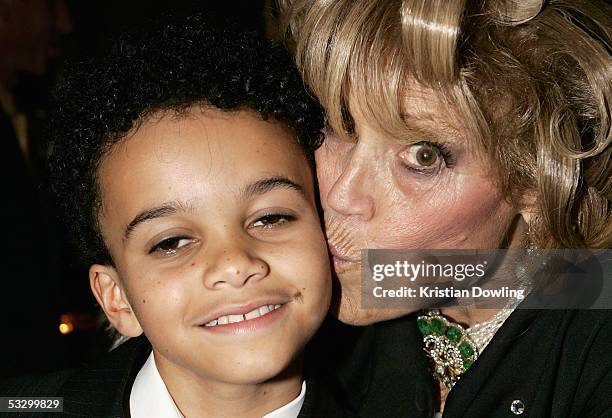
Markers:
point(254, 189)
point(265, 185)
point(158, 212)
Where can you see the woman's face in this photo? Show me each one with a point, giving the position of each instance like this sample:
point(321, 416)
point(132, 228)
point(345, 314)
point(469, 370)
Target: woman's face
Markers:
point(426, 191)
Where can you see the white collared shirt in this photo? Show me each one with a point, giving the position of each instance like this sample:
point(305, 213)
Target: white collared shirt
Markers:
point(150, 397)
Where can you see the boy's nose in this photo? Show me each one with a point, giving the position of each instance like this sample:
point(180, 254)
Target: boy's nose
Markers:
point(234, 266)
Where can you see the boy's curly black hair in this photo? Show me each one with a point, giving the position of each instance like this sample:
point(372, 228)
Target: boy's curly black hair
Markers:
point(170, 66)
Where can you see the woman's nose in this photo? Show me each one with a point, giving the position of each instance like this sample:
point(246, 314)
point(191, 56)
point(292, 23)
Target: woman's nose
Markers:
point(233, 265)
point(352, 192)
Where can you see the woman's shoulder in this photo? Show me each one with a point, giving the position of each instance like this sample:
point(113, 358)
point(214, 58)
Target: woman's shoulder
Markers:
point(581, 332)
point(585, 365)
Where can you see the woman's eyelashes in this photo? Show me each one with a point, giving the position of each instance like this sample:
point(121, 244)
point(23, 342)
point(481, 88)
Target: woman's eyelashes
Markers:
point(170, 246)
point(427, 157)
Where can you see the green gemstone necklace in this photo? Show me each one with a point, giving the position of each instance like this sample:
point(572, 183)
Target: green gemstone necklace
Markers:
point(451, 348)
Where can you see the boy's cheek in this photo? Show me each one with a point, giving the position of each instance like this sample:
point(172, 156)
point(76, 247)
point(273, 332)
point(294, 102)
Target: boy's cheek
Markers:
point(153, 300)
point(308, 267)
point(308, 253)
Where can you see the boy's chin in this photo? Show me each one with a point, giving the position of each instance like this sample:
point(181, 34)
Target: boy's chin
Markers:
point(240, 366)
point(261, 369)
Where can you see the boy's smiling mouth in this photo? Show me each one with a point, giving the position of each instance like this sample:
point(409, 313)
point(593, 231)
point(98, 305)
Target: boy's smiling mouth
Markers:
point(234, 318)
point(245, 318)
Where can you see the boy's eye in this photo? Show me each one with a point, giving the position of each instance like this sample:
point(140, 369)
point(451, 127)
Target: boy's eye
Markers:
point(170, 246)
point(273, 220)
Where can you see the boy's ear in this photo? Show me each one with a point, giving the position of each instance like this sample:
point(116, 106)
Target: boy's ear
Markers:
point(104, 282)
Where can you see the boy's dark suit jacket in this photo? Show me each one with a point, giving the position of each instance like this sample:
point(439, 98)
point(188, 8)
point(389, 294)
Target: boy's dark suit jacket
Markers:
point(103, 390)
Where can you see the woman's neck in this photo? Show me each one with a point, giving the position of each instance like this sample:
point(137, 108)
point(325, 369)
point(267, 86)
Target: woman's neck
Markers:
point(517, 239)
point(468, 316)
point(196, 396)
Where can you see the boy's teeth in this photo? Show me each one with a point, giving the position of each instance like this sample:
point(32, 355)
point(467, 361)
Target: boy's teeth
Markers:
point(235, 318)
point(252, 315)
point(255, 313)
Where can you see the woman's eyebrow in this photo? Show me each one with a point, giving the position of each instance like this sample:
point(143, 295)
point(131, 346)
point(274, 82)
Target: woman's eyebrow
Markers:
point(165, 209)
point(425, 119)
point(263, 186)
point(426, 123)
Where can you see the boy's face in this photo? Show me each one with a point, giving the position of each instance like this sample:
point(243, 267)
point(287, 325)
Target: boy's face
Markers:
point(210, 218)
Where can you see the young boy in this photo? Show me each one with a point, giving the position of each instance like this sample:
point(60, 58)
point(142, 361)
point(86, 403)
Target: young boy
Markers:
point(183, 161)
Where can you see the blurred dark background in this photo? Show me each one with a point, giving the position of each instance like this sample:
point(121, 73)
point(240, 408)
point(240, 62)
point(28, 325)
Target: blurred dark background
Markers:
point(48, 316)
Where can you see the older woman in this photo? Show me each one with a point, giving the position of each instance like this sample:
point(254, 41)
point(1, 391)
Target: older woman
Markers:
point(454, 124)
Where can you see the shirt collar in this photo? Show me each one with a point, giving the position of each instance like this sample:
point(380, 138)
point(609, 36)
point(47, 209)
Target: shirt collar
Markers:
point(150, 397)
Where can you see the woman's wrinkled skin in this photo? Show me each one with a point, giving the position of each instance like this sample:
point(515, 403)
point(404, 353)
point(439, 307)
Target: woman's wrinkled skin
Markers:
point(426, 191)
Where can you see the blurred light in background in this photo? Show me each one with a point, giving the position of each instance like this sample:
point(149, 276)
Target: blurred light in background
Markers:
point(66, 325)
point(70, 322)
point(66, 328)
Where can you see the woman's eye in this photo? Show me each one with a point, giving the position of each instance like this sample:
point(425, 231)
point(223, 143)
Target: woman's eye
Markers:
point(272, 221)
point(425, 157)
point(170, 246)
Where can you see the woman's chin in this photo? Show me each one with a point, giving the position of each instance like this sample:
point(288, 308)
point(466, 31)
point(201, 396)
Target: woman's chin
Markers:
point(350, 311)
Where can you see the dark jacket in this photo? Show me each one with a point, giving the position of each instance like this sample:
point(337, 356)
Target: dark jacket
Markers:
point(556, 363)
point(103, 390)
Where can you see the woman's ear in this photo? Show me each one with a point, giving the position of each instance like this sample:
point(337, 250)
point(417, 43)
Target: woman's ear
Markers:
point(105, 285)
point(528, 206)
point(527, 216)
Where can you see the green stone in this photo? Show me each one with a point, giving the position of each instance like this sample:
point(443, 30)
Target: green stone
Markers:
point(467, 364)
point(424, 326)
point(453, 334)
point(466, 350)
point(437, 326)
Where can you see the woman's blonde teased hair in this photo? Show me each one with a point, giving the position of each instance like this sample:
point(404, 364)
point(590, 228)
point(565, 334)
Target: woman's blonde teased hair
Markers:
point(531, 82)
point(351, 47)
